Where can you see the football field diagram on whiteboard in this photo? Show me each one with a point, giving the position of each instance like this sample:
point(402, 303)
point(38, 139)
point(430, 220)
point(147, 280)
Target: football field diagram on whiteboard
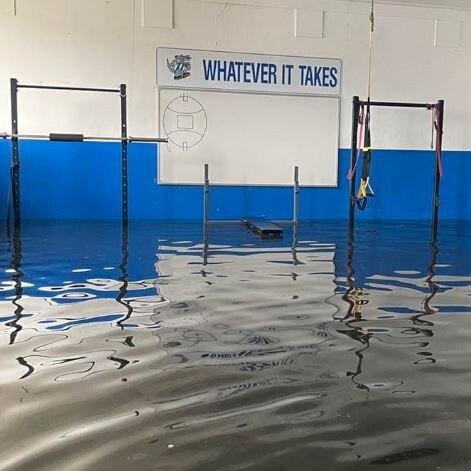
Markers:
point(248, 139)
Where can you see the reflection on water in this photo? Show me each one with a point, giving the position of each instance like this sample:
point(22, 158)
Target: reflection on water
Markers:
point(155, 350)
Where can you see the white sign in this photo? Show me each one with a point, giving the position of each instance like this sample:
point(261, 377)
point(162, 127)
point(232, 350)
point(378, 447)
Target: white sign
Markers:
point(255, 73)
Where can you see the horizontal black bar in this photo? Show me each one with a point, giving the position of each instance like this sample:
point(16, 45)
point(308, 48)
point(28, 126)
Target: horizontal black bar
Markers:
point(77, 89)
point(66, 137)
point(80, 137)
point(395, 104)
point(146, 139)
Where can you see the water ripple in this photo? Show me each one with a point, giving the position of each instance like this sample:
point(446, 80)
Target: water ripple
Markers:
point(232, 353)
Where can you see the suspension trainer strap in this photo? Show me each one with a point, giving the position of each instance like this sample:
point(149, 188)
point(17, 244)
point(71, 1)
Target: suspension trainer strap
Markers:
point(365, 189)
point(365, 171)
point(434, 124)
point(361, 132)
point(438, 140)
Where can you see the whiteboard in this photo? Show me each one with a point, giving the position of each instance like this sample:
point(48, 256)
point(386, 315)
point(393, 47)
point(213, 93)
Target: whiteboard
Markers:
point(248, 139)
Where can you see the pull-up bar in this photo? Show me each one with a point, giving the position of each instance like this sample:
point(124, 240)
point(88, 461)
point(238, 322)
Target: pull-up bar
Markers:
point(438, 108)
point(75, 89)
point(81, 138)
point(395, 104)
point(15, 136)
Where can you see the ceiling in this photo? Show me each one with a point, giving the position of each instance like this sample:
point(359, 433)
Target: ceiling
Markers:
point(455, 4)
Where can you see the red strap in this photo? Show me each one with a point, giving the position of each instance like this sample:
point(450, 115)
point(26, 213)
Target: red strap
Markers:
point(438, 142)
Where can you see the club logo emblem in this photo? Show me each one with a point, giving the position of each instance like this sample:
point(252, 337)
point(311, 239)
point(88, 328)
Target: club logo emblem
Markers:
point(180, 66)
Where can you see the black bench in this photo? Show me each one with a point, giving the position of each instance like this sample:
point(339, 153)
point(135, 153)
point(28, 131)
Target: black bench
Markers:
point(263, 228)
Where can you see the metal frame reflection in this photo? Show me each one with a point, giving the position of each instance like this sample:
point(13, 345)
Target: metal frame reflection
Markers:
point(354, 296)
point(15, 245)
point(123, 268)
point(15, 265)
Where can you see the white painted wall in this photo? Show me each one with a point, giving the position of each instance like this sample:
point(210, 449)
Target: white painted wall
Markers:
point(104, 43)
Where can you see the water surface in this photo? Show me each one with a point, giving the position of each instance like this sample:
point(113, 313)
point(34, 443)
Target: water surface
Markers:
point(162, 351)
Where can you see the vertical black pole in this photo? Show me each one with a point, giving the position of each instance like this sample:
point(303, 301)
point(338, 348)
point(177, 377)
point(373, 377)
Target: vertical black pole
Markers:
point(295, 215)
point(205, 215)
point(206, 195)
point(354, 152)
point(296, 196)
point(15, 157)
point(123, 290)
point(436, 186)
point(15, 241)
point(124, 155)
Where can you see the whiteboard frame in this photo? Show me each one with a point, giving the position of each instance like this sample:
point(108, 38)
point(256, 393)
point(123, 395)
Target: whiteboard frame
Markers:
point(262, 185)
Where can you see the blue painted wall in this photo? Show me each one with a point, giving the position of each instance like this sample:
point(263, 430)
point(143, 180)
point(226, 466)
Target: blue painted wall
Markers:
point(82, 181)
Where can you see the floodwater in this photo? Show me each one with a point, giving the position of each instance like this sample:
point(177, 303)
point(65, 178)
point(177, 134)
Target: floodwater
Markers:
point(157, 351)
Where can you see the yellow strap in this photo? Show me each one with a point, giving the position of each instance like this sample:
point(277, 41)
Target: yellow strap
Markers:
point(366, 149)
point(362, 189)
